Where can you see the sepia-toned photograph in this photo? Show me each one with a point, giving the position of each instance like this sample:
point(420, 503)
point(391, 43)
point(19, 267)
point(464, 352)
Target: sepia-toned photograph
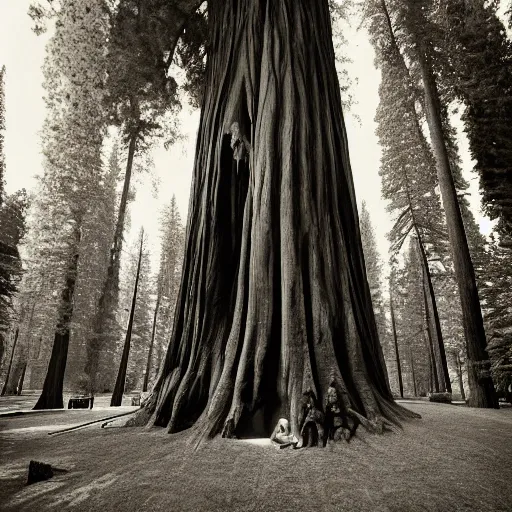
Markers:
point(256, 255)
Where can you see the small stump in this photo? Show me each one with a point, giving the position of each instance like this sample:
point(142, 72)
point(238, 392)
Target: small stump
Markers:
point(38, 472)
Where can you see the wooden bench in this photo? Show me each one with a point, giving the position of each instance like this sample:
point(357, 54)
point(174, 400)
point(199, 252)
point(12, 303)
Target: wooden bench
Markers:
point(81, 402)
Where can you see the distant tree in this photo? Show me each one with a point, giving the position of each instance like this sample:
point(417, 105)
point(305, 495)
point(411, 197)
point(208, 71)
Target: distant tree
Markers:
point(167, 283)
point(477, 70)
point(72, 138)
point(119, 387)
point(142, 318)
point(498, 297)
point(373, 267)
point(480, 382)
point(97, 234)
point(398, 365)
point(412, 311)
point(141, 97)
point(169, 276)
point(416, 44)
point(408, 167)
point(12, 229)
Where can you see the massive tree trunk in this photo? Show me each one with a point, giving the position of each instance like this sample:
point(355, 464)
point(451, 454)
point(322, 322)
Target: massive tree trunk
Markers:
point(107, 303)
point(51, 396)
point(480, 382)
point(117, 395)
point(274, 300)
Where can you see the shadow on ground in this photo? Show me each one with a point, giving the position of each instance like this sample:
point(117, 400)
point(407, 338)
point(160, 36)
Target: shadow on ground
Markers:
point(454, 459)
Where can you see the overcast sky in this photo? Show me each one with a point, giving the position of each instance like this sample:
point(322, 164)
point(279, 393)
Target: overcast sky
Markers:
point(22, 52)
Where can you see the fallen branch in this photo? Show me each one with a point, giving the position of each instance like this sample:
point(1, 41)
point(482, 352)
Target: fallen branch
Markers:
point(83, 425)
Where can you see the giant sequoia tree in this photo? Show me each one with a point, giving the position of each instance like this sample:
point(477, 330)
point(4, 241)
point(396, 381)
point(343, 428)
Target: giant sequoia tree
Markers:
point(274, 300)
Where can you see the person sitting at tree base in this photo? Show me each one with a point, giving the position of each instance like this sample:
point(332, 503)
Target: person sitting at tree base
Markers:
point(312, 421)
point(282, 437)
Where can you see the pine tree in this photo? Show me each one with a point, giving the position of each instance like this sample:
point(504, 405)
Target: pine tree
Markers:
point(97, 234)
point(417, 46)
point(12, 228)
point(73, 136)
point(117, 395)
point(167, 283)
point(407, 165)
point(142, 317)
point(411, 311)
point(373, 265)
point(498, 298)
point(480, 382)
point(478, 71)
point(141, 99)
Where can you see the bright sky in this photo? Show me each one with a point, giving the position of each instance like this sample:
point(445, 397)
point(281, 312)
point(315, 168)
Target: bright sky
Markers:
point(23, 52)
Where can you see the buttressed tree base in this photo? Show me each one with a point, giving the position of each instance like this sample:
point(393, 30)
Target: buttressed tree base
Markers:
point(274, 306)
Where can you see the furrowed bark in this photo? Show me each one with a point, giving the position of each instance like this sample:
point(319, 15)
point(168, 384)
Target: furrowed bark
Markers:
point(274, 300)
point(51, 396)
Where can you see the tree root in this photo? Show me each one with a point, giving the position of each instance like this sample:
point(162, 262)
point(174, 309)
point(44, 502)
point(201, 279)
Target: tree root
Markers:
point(228, 431)
point(375, 425)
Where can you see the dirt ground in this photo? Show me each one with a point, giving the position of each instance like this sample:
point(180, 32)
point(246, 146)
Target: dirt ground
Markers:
point(453, 459)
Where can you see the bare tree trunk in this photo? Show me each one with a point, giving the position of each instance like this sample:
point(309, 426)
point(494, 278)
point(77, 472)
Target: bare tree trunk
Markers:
point(459, 375)
point(51, 396)
point(8, 375)
point(289, 310)
point(480, 382)
point(117, 395)
point(395, 339)
point(150, 352)
point(413, 371)
point(430, 342)
point(21, 380)
point(430, 364)
point(108, 300)
point(431, 303)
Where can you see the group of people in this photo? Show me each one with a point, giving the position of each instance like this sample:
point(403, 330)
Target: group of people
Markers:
point(316, 427)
